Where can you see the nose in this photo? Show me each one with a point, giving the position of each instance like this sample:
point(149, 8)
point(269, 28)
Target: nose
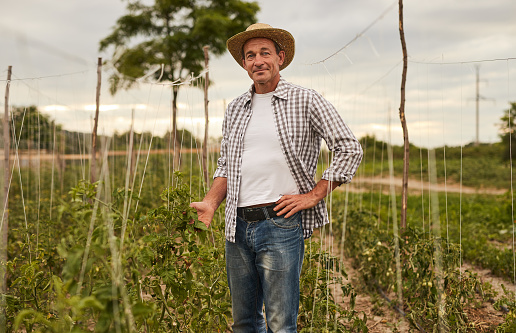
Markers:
point(258, 61)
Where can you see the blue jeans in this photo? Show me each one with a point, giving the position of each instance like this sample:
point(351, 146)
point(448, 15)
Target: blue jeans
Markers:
point(263, 267)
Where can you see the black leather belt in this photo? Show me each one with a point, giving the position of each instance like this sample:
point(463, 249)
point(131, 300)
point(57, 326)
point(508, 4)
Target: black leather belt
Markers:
point(254, 214)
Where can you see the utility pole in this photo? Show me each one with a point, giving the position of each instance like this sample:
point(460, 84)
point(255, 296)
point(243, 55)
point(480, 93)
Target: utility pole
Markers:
point(477, 99)
point(477, 102)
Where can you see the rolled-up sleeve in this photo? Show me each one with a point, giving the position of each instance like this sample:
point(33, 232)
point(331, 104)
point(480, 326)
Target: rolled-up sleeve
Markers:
point(222, 170)
point(346, 149)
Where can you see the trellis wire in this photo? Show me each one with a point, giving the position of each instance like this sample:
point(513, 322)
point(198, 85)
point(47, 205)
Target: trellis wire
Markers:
point(444, 165)
point(460, 184)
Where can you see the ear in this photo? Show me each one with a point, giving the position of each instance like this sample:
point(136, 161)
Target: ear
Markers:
point(243, 64)
point(281, 55)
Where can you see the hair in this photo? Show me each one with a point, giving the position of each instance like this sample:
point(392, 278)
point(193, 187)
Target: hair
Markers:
point(276, 46)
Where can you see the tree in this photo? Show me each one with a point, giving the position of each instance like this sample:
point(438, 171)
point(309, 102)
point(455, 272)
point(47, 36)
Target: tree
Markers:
point(33, 129)
point(172, 33)
point(507, 128)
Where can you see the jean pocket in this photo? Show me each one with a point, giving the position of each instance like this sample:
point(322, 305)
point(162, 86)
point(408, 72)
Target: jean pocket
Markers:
point(287, 223)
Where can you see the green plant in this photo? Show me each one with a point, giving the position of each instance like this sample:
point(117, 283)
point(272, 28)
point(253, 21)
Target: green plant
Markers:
point(320, 276)
point(435, 295)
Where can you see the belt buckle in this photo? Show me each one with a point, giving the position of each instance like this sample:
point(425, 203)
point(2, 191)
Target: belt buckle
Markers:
point(254, 214)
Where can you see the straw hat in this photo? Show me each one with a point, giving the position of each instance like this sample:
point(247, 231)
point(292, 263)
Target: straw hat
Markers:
point(261, 30)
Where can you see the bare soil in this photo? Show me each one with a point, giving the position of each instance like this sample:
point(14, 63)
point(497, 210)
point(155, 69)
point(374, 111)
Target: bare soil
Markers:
point(380, 316)
point(365, 184)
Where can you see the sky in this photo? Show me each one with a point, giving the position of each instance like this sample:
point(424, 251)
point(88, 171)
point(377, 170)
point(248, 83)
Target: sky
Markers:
point(349, 51)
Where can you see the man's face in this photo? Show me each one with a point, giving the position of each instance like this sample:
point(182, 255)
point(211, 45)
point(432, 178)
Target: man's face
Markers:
point(262, 63)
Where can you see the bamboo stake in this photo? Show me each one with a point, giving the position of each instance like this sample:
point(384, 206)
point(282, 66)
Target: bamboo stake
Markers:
point(128, 178)
point(206, 119)
point(177, 144)
point(131, 153)
point(62, 161)
point(406, 151)
point(435, 229)
point(95, 125)
point(5, 217)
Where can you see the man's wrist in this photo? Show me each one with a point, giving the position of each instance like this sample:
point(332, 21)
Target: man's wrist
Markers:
point(211, 203)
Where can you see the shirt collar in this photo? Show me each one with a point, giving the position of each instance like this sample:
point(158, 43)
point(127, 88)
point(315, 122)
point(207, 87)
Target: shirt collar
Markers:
point(280, 92)
point(281, 89)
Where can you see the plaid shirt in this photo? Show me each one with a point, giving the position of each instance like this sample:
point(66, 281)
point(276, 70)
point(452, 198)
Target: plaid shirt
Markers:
point(302, 118)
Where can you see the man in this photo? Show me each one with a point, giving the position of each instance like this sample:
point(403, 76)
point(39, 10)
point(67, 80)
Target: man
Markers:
point(270, 146)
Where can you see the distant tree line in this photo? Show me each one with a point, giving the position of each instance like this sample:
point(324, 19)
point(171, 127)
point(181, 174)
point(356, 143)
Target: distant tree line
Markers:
point(31, 129)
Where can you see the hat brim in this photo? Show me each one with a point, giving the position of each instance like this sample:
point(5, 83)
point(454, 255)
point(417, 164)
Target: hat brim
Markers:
point(282, 37)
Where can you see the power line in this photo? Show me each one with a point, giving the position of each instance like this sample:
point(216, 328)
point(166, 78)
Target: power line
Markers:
point(47, 76)
point(358, 35)
point(430, 63)
point(461, 62)
point(381, 78)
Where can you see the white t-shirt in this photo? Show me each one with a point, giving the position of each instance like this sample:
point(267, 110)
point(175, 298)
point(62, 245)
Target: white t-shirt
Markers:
point(265, 173)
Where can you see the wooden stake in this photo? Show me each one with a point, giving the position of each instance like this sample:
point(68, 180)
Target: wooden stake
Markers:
point(206, 119)
point(93, 176)
point(5, 208)
point(406, 151)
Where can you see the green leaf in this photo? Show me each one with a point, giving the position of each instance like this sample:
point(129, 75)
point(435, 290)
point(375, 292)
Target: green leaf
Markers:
point(200, 225)
point(90, 302)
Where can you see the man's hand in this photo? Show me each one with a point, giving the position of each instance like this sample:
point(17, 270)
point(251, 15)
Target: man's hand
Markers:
point(205, 212)
point(207, 207)
point(291, 204)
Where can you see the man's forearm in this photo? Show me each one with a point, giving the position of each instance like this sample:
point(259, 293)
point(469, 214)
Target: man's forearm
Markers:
point(323, 188)
point(217, 192)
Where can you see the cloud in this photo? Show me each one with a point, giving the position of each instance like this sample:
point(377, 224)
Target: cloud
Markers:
point(43, 40)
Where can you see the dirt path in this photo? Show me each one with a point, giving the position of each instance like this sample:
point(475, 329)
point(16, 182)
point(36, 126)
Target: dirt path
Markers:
point(487, 316)
point(383, 318)
point(366, 184)
point(485, 275)
point(380, 316)
point(46, 155)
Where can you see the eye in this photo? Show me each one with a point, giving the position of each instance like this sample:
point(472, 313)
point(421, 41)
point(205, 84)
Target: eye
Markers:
point(250, 56)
